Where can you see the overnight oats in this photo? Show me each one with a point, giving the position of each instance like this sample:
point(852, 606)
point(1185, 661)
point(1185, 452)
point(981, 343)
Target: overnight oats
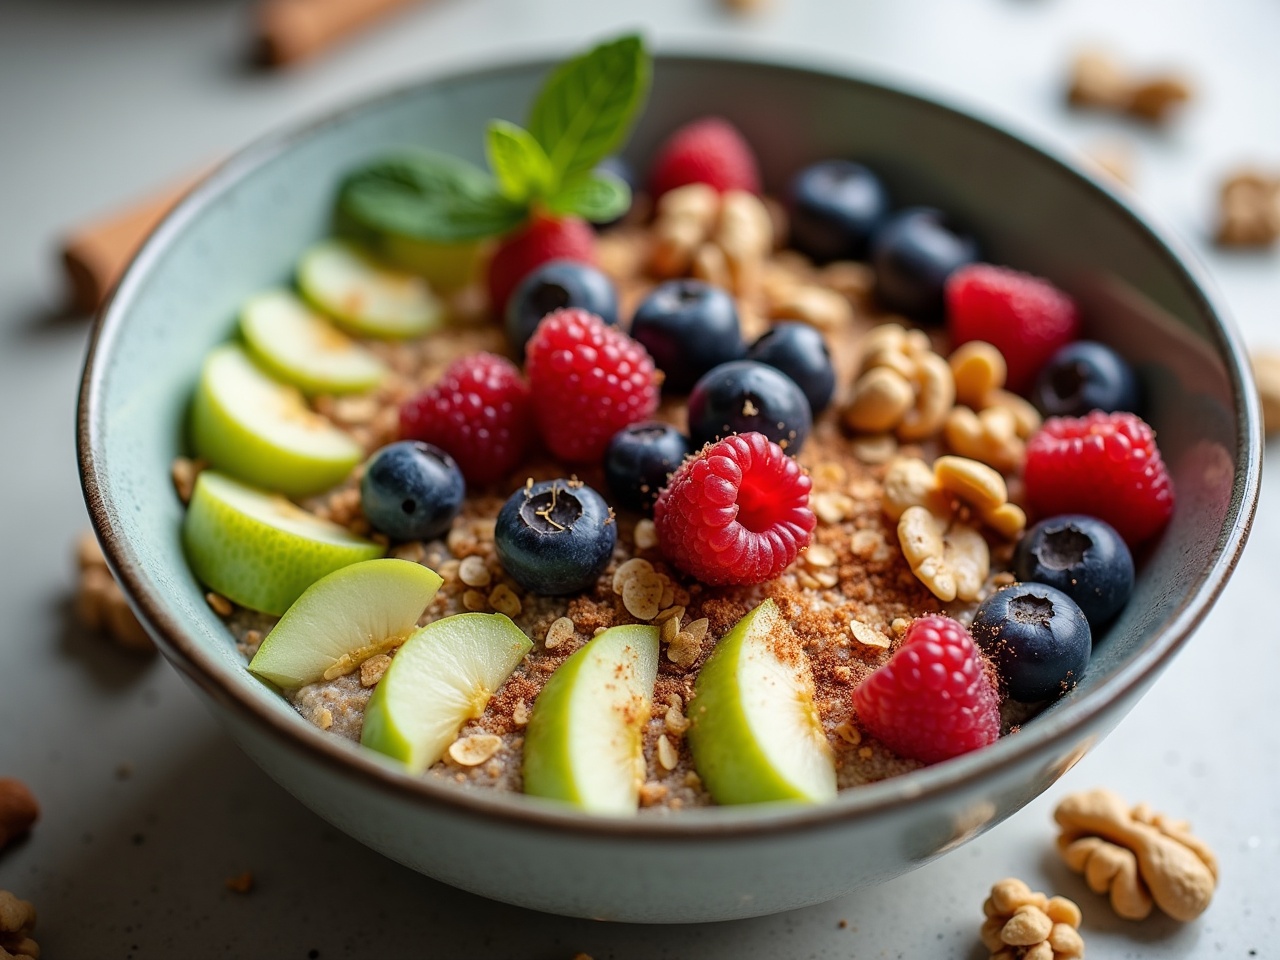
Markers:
point(644, 499)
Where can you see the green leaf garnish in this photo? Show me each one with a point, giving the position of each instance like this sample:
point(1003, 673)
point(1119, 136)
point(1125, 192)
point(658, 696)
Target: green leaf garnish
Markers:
point(585, 108)
point(521, 166)
point(428, 196)
point(598, 196)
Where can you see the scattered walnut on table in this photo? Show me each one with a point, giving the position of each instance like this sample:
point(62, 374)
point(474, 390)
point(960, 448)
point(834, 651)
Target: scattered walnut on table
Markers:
point(1022, 924)
point(1248, 209)
point(1099, 81)
point(17, 921)
point(1138, 856)
point(1266, 374)
point(100, 603)
point(19, 810)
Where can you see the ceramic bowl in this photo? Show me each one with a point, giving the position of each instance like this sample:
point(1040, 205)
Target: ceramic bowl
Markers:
point(243, 228)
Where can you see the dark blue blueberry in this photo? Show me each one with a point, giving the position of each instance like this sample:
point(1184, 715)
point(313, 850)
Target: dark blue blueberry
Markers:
point(836, 206)
point(411, 490)
point(912, 255)
point(639, 460)
point(745, 397)
point(799, 351)
point(1037, 638)
point(688, 327)
point(553, 286)
point(624, 172)
point(1084, 558)
point(555, 537)
point(1085, 376)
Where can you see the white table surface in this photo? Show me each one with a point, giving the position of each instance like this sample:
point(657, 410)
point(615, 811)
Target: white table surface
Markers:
point(100, 101)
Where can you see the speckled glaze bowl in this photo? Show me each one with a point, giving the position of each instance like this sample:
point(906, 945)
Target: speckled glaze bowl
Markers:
point(242, 229)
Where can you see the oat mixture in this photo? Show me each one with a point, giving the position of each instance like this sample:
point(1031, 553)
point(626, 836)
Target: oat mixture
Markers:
point(848, 598)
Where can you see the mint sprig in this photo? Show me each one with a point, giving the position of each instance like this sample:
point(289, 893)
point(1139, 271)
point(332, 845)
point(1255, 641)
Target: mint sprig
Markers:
point(582, 114)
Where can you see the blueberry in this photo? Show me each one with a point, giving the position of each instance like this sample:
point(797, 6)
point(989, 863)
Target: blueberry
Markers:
point(621, 169)
point(1084, 558)
point(555, 537)
point(799, 351)
point(912, 255)
point(1037, 639)
point(744, 397)
point(411, 490)
point(553, 286)
point(639, 460)
point(688, 327)
point(836, 206)
point(1085, 376)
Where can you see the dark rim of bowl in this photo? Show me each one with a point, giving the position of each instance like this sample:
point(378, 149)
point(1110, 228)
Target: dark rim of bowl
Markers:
point(1061, 729)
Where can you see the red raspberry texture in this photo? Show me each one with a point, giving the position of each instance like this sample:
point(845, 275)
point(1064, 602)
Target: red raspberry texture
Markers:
point(934, 698)
point(478, 413)
point(737, 513)
point(542, 240)
point(1024, 317)
point(709, 151)
point(1106, 465)
point(589, 380)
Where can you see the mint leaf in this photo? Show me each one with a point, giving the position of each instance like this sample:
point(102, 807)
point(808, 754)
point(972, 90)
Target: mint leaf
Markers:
point(518, 161)
point(585, 109)
point(427, 196)
point(599, 197)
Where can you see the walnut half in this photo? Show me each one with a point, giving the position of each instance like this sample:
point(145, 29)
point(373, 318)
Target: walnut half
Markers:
point(1137, 856)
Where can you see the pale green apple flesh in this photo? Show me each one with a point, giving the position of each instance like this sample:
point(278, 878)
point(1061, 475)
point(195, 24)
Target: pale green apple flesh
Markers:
point(583, 744)
point(755, 734)
point(343, 619)
point(367, 297)
point(300, 347)
point(261, 431)
point(259, 549)
point(441, 677)
point(447, 267)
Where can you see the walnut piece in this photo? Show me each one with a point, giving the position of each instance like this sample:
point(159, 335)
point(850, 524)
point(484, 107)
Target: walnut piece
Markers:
point(100, 603)
point(17, 921)
point(903, 386)
point(1024, 925)
point(18, 810)
point(1099, 81)
point(1138, 856)
point(1248, 210)
point(1266, 374)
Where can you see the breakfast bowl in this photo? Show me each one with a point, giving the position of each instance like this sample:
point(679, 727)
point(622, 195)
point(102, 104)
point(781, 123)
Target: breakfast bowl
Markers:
point(240, 231)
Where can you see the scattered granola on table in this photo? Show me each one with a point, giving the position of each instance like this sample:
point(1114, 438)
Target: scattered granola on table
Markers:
point(1099, 81)
point(17, 921)
point(100, 603)
point(1248, 209)
point(1025, 925)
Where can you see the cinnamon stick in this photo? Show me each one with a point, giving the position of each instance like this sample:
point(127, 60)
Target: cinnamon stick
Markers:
point(95, 254)
point(292, 30)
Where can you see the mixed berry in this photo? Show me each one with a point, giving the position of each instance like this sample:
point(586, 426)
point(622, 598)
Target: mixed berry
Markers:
point(645, 400)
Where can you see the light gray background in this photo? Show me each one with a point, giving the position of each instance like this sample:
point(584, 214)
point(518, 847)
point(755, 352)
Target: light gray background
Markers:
point(100, 101)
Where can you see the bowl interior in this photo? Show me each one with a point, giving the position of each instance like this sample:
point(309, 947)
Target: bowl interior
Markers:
point(244, 228)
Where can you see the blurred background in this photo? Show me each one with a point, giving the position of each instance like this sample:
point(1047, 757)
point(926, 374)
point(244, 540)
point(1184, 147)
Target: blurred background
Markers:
point(148, 809)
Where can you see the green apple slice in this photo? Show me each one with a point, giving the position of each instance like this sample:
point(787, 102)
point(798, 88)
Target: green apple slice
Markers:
point(300, 347)
point(365, 296)
point(442, 677)
point(583, 744)
point(262, 431)
point(257, 548)
point(343, 619)
point(755, 734)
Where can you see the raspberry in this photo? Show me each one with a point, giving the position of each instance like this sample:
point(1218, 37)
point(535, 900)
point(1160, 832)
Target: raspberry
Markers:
point(709, 151)
point(478, 413)
point(736, 513)
point(541, 240)
point(933, 700)
point(1105, 465)
point(589, 381)
point(1026, 318)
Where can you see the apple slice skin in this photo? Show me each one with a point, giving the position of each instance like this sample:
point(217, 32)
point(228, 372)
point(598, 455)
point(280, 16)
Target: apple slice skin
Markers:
point(419, 676)
point(343, 618)
point(236, 401)
point(300, 347)
point(589, 698)
point(259, 550)
point(364, 296)
point(726, 751)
